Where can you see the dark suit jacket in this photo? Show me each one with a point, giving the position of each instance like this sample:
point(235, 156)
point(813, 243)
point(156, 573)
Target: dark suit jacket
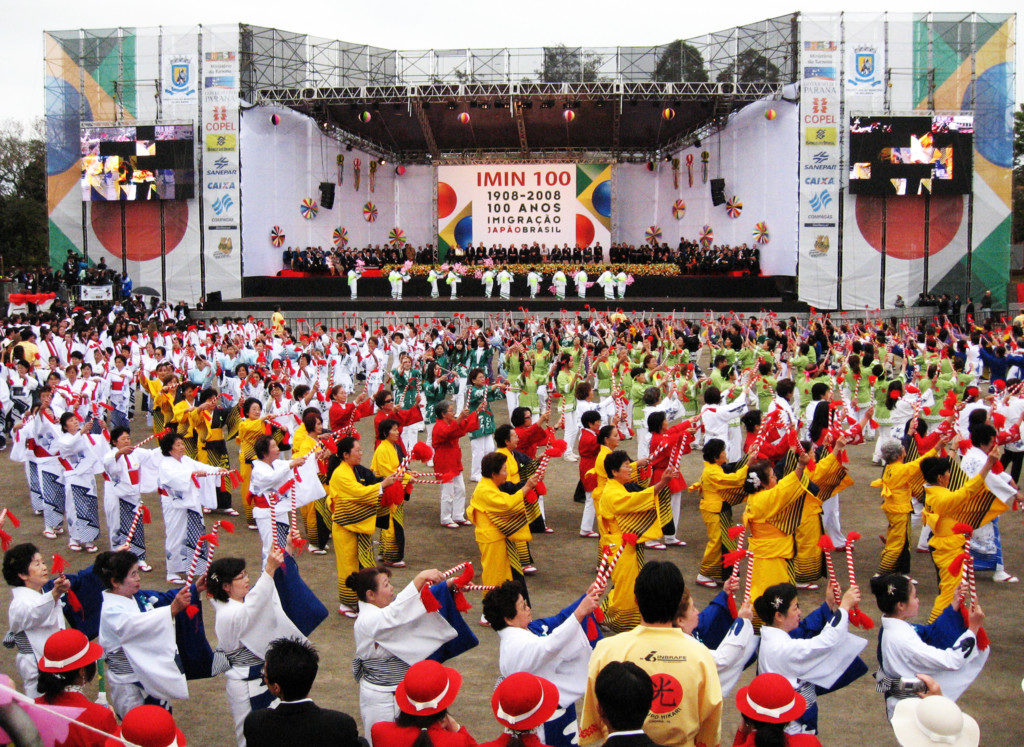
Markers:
point(302, 723)
point(631, 740)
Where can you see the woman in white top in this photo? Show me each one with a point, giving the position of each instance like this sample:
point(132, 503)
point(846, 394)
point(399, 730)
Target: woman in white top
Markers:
point(815, 653)
point(138, 637)
point(269, 475)
point(393, 632)
point(183, 495)
point(130, 472)
point(33, 615)
point(946, 650)
point(247, 621)
point(75, 453)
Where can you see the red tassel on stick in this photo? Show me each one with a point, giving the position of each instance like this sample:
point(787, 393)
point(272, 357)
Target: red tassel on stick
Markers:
point(5, 540)
point(15, 521)
point(147, 516)
point(74, 601)
point(59, 564)
point(430, 602)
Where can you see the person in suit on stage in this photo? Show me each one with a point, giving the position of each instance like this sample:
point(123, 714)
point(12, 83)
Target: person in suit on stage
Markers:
point(289, 671)
point(624, 694)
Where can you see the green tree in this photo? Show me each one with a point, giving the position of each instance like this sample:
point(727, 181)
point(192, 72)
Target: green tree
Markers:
point(680, 62)
point(23, 219)
point(1017, 233)
point(569, 64)
point(750, 67)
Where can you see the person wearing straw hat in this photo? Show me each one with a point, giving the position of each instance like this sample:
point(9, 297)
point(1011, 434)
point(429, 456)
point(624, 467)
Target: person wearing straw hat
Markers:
point(768, 704)
point(69, 662)
point(522, 702)
point(423, 697)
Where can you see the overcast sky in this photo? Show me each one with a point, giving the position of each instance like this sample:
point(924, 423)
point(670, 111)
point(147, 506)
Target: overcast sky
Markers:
point(407, 24)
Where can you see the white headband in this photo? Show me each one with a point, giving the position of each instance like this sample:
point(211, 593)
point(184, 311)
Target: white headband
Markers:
point(61, 663)
point(424, 705)
point(522, 716)
point(772, 712)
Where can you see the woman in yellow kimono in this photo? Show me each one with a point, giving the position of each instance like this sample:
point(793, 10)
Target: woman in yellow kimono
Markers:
point(500, 522)
point(391, 512)
point(773, 512)
point(949, 501)
point(160, 390)
point(608, 440)
point(208, 421)
point(181, 419)
point(635, 513)
point(249, 429)
point(354, 493)
point(520, 467)
point(720, 491)
point(830, 478)
point(899, 482)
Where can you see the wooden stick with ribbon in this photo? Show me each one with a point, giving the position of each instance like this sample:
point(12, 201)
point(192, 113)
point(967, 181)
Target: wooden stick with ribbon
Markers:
point(857, 617)
point(963, 565)
point(142, 514)
point(828, 547)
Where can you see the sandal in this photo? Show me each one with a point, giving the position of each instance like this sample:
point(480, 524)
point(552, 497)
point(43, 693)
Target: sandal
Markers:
point(229, 512)
point(396, 564)
point(464, 523)
point(49, 534)
point(450, 525)
point(548, 530)
point(589, 535)
point(74, 547)
point(318, 551)
point(347, 612)
point(175, 580)
point(145, 567)
point(90, 547)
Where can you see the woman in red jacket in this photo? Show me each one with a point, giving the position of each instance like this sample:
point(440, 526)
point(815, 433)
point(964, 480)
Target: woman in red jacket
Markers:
point(448, 459)
point(423, 697)
point(668, 445)
point(68, 663)
point(768, 704)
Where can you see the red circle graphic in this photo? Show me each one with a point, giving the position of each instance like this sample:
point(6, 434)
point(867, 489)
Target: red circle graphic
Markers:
point(668, 693)
point(904, 237)
point(142, 227)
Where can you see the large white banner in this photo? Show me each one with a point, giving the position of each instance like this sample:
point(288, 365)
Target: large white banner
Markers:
point(502, 205)
point(820, 157)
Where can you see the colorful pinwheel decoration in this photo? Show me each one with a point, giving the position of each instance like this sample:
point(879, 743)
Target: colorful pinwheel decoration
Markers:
point(340, 236)
point(276, 236)
point(761, 232)
point(369, 212)
point(396, 237)
point(707, 235)
point(678, 209)
point(733, 207)
point(653, 235)
point(309, 208)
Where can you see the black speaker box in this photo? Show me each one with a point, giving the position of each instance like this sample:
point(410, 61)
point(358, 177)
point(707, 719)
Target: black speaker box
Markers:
point(717, 191)
point(327, 195)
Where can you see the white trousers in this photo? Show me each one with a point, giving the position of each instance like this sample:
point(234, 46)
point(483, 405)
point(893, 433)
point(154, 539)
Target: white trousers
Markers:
point(513, 402)
point(453, 500)
point(28, 668)
point(677, 500)
point(409, 433)
point(238, 702)
point(481, 447)
point(376, 704)
point(830, 521)
point(589, 514)
point(460, 396)
point(643, 442)
point(572, 431)
point(124, 696)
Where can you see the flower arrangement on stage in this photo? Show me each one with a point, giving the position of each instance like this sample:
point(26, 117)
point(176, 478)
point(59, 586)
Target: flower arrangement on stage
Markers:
point(570, 269)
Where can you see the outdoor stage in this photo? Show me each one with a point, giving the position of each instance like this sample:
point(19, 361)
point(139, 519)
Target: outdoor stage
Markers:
point(657, 293)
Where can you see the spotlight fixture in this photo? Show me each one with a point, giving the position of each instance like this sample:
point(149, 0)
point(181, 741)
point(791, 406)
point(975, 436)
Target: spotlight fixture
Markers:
point(696, 143)
point(452, 105)
point(546, 104)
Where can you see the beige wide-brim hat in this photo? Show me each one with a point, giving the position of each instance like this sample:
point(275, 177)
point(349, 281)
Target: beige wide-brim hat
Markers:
point(935, 720)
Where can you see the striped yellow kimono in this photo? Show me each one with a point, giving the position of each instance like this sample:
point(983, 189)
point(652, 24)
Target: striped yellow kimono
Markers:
point(353, 494)
point(315, 516)
point(720, 491)
point(390, 519)
point(900, 482)
point(831, 477)
point(248, 432)
point(500, 521)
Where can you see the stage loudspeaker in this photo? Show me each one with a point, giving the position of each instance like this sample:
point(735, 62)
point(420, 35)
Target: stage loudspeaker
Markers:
point(717, 191)
point(214, 298)
point(327, 195)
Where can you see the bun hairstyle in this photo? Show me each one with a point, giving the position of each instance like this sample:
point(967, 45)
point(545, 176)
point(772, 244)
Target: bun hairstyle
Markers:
point(774, 599)
point(115, 567)
point(890, 589)
point(365, 580)
point(758, 476)
point(222, 571)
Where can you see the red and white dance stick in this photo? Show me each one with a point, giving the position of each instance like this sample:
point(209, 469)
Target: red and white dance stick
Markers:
point(964, 563)
point(139, 512)
point(605, 574)
point(827, 546)
point(228, 527)
point(857, 617)
point(455, 571)
point(477, 587)
point(750, 577)
point(195, 561)
point(155, 436)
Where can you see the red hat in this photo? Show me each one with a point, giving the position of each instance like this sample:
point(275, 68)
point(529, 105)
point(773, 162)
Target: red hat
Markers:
point(150, 726)
point(427, 688)
point(524, 701)
point(770, 698)
point(67, 650)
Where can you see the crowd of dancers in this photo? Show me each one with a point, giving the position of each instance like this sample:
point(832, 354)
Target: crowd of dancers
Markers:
point(771, 405)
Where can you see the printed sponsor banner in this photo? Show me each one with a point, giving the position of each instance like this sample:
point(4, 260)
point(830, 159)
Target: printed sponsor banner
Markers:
point(551, 204)
point(96, 292)
point(820, 158)
point(221, 142)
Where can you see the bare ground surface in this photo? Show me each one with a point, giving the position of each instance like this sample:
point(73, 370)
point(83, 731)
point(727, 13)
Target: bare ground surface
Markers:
point(566, 568)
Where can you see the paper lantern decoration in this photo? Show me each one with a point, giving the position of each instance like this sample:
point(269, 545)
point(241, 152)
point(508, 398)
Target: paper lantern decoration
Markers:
point(340, 237)
point(770, 115)
point(653, 234)
point(396, 237)
point(668, 114)
point(761, 232)
point(275, 119)
point(369, 212)
point(464, 118)
point(276, 236)
point(733, 207)
point(568, 115)
point(309, 208)
point(707, 235)
point(365, 117)
point(400, 170)
point(678, 209)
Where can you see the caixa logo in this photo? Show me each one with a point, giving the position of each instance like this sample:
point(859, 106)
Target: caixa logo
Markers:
point(220, 185)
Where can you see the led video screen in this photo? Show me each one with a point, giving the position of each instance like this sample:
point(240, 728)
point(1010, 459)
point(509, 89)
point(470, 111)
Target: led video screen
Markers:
point(138, 162)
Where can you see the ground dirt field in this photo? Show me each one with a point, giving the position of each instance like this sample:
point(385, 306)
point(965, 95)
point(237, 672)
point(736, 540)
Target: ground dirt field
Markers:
point(566, 568)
